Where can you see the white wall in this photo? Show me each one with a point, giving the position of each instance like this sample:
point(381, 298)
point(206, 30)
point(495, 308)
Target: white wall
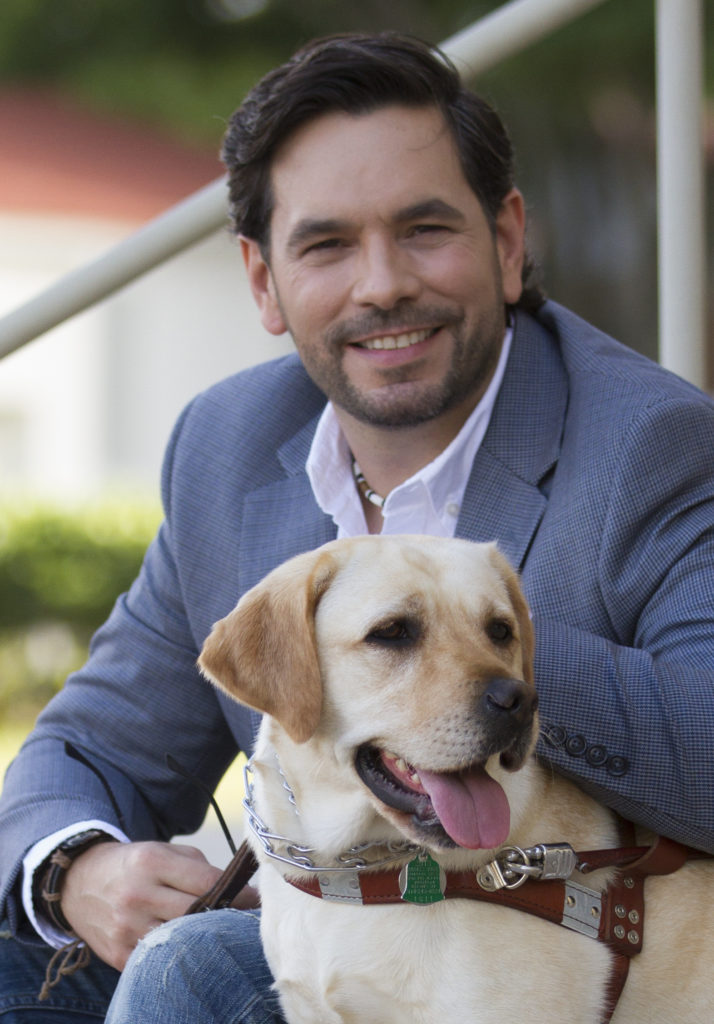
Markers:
point(91, 403)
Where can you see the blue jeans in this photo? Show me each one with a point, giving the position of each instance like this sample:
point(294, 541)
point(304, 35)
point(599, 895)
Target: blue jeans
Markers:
point(202, 969)
point(78, 998)
point(205, 969)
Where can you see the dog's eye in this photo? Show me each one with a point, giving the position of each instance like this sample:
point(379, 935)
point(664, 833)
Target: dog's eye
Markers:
point(395, 631)
point(499, 631)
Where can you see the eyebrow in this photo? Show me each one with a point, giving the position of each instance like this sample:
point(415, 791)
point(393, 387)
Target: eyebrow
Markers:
point(429, 209)
point(316, 227)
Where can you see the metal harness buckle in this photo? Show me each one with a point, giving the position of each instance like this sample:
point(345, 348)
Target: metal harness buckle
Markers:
point(513, 866)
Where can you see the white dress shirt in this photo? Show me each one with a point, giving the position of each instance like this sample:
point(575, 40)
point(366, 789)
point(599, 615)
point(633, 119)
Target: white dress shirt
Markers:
point(428, 502)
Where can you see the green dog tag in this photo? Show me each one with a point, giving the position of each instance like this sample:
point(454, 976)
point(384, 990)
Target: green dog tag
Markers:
point(422, 880)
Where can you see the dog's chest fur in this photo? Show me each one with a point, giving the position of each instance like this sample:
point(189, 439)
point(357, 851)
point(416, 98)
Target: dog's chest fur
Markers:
point(404, 963)
point(421, 965)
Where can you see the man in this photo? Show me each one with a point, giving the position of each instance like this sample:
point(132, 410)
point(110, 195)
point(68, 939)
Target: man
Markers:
point(379, 224)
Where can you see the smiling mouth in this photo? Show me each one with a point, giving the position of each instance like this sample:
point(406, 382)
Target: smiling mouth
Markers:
point(389, 342)
point(465, 808)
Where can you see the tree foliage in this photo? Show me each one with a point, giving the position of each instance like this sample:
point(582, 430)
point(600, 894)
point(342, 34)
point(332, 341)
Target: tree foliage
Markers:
point(69, 565)
point(187, 63)
point(60, 573)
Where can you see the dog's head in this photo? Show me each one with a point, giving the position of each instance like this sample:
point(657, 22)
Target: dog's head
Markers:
point(412, 658)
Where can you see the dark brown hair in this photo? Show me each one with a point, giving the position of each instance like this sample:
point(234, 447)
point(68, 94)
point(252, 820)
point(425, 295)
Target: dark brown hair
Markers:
point(358, 73)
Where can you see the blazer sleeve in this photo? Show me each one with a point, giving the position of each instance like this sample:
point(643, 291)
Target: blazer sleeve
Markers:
point(629, 702)
point(98, 749)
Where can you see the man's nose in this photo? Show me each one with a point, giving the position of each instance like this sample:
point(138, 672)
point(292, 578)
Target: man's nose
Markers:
point(385, 275)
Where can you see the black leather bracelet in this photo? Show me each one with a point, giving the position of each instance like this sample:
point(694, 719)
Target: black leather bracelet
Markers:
point(48, 877)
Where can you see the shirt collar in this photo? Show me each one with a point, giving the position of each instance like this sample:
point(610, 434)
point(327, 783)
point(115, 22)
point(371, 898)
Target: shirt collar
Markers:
point(429, 500)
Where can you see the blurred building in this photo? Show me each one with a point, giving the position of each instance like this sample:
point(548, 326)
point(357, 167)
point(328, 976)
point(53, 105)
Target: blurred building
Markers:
point(91, 403)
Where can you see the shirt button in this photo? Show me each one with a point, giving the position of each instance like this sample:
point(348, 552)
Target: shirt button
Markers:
point(453, 509)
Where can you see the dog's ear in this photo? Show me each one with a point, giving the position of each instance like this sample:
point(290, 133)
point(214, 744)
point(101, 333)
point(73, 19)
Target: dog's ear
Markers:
point(522, 613)
point(264, 652)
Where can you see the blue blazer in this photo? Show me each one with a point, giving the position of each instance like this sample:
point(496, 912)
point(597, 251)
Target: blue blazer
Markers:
point(596, 476)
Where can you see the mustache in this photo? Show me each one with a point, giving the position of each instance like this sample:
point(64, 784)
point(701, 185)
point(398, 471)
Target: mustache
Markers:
point(383, 321)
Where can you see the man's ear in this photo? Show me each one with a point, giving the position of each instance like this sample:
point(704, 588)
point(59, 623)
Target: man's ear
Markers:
point(264, 652)
point(262, 286)
point(510, 244)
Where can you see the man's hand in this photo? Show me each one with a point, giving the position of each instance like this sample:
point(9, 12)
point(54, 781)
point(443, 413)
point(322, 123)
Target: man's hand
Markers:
point(114, 893)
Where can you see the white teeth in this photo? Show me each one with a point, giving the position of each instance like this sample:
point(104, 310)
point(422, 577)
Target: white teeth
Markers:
point(397, 340)
point(406, 769)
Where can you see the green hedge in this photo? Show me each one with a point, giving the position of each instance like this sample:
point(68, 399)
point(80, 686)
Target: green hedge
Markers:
point(60, 573)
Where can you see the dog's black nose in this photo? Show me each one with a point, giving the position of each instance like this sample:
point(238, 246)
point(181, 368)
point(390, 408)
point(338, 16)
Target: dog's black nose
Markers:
point(510, 697)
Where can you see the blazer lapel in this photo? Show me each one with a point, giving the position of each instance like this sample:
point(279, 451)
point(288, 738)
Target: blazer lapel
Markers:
point(282, 519)
point(505, 497)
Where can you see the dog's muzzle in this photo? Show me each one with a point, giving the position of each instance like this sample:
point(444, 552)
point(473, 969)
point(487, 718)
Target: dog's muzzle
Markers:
point(466, 806)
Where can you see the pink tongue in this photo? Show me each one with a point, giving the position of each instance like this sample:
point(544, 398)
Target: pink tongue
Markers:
point(471, 806)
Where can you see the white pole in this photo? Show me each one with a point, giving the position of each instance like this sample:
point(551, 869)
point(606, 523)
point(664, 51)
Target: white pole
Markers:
point(681, 206)
point(181, 226)
point(508, 30)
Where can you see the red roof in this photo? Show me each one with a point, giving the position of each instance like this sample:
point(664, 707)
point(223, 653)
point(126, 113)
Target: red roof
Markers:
point(57, 157)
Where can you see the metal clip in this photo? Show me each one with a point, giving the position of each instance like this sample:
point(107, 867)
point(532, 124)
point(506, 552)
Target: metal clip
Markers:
point(490, 877)
point(507, 871)
point(513, 866)
point(554, 860)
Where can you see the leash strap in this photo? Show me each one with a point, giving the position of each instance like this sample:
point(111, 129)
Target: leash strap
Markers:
point(235, 877)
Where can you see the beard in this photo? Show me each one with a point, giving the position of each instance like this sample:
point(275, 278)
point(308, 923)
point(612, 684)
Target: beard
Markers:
point(403, 400)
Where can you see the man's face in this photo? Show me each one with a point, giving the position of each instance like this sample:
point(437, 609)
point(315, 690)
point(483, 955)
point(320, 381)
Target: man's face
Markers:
point(383, 266)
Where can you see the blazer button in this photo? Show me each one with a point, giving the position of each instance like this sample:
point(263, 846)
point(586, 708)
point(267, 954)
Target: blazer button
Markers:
point(576, 745)
point(596, 755)
point(554, 735)
point(618, 765)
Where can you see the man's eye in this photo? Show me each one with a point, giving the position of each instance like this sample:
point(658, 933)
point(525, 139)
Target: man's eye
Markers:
point(429, 229)
point(324, 245)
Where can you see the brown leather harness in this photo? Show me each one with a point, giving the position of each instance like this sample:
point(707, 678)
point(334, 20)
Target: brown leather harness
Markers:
point(615, 916)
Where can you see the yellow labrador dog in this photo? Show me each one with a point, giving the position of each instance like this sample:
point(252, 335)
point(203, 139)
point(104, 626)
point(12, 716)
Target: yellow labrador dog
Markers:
point(393, 767)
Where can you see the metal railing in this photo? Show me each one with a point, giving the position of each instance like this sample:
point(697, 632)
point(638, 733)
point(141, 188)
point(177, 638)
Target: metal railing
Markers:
point(503, 33)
